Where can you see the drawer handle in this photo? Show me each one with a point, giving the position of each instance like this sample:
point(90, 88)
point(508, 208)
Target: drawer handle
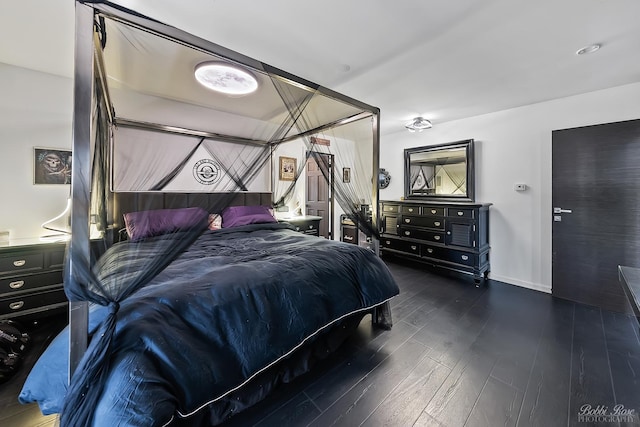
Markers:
point(410, 209)
point(436, 237)
point(460, 213)
point(407, 220)
point(433, 211)
point(19, 262)
point(16, 305)
point(297, 228)
point(388, 242)
point(413, 247)
point(437, 223)
point(349, 238)
point(311, 227)
point(407, 233)
point(465, 257)
point(430, 250)
point(17, 284)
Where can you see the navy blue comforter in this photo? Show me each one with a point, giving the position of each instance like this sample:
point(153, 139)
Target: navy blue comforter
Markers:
point(236, 302)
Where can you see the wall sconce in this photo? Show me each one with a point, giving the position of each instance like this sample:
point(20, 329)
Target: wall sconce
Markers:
point(418, 124)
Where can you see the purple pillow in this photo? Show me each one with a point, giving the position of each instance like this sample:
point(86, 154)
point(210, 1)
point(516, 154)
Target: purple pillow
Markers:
point(145, 224)
point(242, 215)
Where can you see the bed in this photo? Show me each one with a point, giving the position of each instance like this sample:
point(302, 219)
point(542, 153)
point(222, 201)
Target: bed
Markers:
point(253, 303)
point(200, 312)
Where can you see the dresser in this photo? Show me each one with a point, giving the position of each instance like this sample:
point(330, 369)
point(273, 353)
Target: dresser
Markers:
point(454, 236)
point(31, 278)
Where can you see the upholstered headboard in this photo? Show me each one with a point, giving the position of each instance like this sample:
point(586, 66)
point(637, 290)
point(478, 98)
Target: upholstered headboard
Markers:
point(133, 202)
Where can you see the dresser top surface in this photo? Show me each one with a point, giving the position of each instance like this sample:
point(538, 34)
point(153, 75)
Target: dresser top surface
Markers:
point(32, 242)
point(437, 203)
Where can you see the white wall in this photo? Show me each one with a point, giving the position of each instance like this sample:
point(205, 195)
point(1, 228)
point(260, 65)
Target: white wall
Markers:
point(35, 111)
point(514, 146)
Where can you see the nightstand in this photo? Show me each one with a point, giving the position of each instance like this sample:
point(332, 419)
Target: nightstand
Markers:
point(307, 224)
point(31, 278)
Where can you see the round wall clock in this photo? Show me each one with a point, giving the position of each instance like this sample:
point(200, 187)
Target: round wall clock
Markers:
point(383, 178)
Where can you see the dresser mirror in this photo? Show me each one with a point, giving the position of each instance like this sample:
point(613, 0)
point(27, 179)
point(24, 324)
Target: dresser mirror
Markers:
point(440, 172)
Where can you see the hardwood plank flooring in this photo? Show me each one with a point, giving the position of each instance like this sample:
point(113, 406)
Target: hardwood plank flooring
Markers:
point(457, 356)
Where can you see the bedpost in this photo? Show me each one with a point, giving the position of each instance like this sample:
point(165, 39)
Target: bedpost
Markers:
point(81, 176)
point(381, 316)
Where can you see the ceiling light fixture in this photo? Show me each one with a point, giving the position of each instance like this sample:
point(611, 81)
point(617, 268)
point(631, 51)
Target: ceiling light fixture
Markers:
point(588, 49)
point(418, 124)
point(225, 78)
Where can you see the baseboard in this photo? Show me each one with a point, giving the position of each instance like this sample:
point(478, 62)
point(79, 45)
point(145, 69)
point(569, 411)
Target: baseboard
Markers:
point(515, 282)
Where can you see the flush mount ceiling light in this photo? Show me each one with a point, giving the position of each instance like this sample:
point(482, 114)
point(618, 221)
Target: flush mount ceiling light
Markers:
point(588, 49)
point(225, 78)
point(418, 124)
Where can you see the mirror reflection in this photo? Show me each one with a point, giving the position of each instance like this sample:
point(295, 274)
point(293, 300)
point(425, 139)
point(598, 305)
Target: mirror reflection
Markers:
point(442, 171)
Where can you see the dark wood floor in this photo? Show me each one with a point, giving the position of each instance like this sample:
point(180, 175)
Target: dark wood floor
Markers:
point(463, 356)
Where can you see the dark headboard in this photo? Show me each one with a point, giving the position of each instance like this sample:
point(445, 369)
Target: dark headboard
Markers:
point(133, 202)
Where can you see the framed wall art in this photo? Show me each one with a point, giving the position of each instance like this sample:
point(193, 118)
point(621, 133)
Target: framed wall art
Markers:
point(51, 166)
point(287, 168)
point(346, 175)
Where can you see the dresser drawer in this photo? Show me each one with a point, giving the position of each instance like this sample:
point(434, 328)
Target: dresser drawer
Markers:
point(416, 233)
point(460, 213)
point(410, 209)
point(424, 221)
point(400, 245)
point(459, 257)
point(20, 262)
point(432, 251)
point(386, 208)
point(30, 281)
point(432, 211)
point(32, 301)
point(56, 259)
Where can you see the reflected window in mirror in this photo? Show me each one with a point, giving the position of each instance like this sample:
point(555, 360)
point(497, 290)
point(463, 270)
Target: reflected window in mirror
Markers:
point(440, 172)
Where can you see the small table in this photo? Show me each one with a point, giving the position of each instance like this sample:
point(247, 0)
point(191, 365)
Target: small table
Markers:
point(630, 279)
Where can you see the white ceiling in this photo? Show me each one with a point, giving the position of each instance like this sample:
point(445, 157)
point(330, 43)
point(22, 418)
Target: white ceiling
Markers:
point(444, 60)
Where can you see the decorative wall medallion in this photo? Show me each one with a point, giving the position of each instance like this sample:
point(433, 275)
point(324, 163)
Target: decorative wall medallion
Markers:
point(207, 172)
point(384, 178)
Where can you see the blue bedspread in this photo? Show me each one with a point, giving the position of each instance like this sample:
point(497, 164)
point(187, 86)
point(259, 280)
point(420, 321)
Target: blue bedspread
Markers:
point(237, 301)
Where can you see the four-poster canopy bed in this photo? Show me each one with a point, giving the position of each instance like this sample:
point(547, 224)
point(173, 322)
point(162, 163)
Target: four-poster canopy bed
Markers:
point(199, 301)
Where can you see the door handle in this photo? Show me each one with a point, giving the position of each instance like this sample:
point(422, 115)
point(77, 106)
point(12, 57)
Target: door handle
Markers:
point(560, 210)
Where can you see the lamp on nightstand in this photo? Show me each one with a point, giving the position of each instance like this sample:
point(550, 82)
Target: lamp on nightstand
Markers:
point(62, 222)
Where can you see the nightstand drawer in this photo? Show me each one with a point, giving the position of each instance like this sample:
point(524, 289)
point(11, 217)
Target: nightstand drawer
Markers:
point(32, 301)
point(19, 262)
point(29, 282)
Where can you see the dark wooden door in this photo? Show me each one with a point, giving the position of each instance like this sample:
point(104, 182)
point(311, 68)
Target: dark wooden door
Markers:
point(318, 194)
point(596, 176)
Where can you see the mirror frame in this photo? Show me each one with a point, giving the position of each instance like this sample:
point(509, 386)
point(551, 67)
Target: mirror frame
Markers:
point(469, 196)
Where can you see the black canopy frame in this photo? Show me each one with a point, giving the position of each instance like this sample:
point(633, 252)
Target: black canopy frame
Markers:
point(89, 69)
